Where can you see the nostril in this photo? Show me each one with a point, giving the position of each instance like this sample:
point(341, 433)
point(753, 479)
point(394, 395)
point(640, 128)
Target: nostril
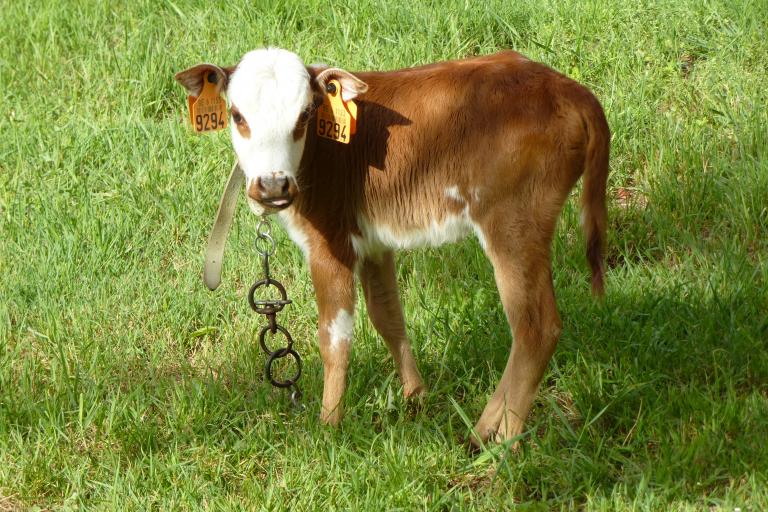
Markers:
point(272, 188)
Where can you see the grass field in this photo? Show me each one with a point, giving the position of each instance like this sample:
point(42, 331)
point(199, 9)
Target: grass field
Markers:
point(125, 384)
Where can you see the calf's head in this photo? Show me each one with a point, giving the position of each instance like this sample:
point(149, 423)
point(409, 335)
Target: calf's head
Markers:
point(272, 98)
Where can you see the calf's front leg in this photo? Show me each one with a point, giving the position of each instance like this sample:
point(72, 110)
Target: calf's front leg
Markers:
point(333, 280)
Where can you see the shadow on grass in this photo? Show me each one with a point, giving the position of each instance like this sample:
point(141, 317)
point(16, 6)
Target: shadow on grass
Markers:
point(662, 385)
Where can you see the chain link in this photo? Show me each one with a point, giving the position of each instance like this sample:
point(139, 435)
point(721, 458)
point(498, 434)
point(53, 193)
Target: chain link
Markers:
point(266, 246)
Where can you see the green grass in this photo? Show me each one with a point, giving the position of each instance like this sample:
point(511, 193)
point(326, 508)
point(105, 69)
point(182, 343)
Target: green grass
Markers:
point(125, 384)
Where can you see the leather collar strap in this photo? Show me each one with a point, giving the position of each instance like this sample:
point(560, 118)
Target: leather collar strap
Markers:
point(214, 253)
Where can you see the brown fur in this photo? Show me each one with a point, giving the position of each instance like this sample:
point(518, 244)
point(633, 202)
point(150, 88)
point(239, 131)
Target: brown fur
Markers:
point(513, 136)
point(240, 123)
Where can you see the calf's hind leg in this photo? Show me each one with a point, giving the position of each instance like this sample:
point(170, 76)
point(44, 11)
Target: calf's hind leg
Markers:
point(386, 313)
point(524, 280)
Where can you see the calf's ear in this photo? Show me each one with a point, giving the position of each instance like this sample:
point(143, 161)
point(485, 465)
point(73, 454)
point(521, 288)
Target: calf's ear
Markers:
point(351, 86)
point(192, 78)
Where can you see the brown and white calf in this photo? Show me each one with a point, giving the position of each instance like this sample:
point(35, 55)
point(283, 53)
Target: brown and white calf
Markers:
point(488, 145)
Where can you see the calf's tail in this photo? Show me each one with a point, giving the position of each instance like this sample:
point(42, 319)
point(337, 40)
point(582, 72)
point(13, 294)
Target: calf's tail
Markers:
point(593, 211)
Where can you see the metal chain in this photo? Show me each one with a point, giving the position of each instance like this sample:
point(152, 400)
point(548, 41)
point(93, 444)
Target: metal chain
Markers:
point(265, 246)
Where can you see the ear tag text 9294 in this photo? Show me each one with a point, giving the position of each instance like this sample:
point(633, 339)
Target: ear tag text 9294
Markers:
point(207, 112)
point(336, 119)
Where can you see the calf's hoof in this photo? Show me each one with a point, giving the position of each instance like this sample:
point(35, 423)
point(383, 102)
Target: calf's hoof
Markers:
point(415, 391)
point(331, 418)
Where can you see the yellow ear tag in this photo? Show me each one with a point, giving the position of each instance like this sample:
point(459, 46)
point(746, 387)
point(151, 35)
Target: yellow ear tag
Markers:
point(336, 119)
point(207, 112)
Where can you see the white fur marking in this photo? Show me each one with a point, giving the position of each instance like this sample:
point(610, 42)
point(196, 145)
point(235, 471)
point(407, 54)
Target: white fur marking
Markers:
point(341, 328)
point(480, 236)
point(453, 193)
point(299, 237)
point(270, 88)
point(377, 238)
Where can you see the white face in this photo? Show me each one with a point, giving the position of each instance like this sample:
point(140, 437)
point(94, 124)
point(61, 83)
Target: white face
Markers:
point(268, 92)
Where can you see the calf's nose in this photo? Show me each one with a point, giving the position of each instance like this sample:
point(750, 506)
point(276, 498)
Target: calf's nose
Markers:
point(274, 191)
point(274, 186)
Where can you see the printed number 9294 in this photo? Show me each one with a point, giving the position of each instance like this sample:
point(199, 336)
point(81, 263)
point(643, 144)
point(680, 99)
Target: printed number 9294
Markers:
point(205, 122)
point(331, 130)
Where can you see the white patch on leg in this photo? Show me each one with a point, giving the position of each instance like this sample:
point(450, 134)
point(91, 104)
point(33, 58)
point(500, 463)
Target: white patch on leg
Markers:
point(341, 328)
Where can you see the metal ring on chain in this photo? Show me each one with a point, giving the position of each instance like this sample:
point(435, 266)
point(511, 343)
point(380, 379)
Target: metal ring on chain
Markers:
point(296, 396)
point(266, 247)
point(269, 306)
point(279, 354)
point(278, 328)
point(267, 250)
point(264, 227)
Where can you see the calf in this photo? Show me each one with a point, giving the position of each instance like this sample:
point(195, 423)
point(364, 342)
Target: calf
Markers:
point(488, 145)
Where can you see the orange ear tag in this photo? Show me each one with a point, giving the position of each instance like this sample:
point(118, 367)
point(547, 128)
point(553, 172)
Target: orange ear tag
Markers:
point(207, 112)
point(336, 119)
